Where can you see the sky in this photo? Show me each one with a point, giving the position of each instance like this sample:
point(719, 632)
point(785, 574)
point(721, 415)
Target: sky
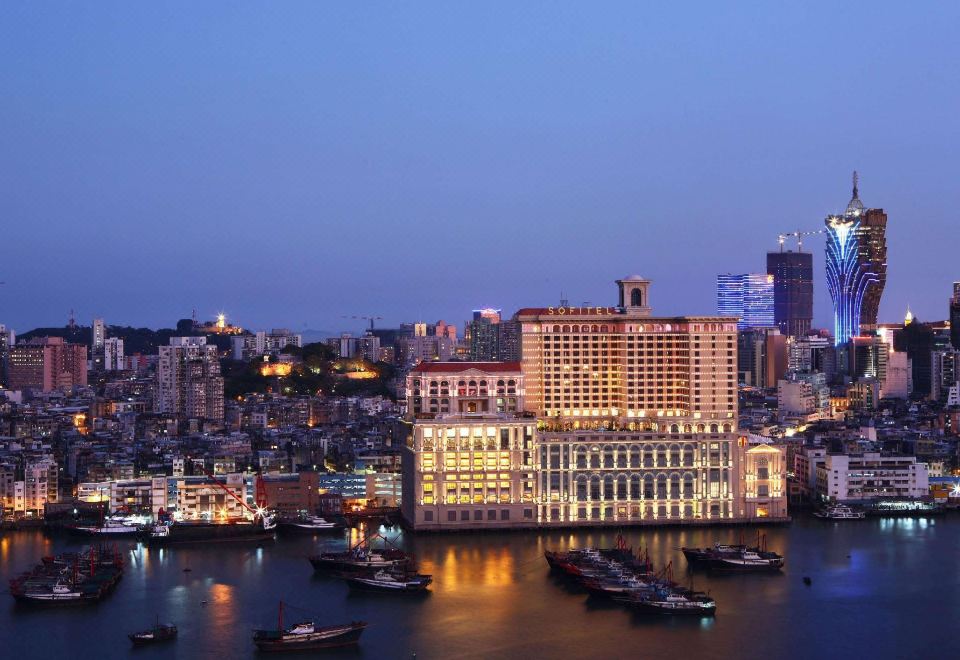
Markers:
point(296, 163)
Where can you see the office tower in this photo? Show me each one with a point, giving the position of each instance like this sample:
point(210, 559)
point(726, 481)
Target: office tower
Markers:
point(955, 316)
point(113, 358)
point(762, 356)
point(856, 259)
point(867, 357)
point(748, 297)
point(917, 340)
point(189, 383)
point(792, 291)
point(944, 373)
point(47, 363)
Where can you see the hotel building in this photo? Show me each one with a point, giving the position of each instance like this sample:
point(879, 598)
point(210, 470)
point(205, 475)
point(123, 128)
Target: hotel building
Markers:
point(634, 417)
point(469, 461)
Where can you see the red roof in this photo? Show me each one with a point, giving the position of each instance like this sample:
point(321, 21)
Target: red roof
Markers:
point(454, 367)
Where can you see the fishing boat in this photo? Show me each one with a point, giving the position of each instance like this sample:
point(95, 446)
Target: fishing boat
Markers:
point(77, 578)
point(307, 635)
point(739, 557)
point(392, 581)
point(362, 557)
point(309, 525)
point(161, 632)
point(840, 512)
point(673, 601)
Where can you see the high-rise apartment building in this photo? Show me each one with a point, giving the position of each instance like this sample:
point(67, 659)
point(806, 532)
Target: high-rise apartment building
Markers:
point(490, 338)
point(44, 364)
point(856, 258)
point(792, 291)
point(189, 383)
point(113, 357)
point(249, 346)
point(955, 317)
point(748, 297)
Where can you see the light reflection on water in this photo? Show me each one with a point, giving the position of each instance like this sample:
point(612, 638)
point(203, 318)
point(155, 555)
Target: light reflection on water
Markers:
point(494, 596)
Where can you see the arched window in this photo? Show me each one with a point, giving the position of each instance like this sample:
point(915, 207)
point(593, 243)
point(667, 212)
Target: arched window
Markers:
point(636, 298)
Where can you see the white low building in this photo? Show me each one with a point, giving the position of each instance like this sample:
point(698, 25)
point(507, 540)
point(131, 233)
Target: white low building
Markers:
point(871, 475)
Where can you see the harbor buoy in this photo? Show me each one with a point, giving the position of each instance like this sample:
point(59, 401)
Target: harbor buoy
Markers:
point(807, 581)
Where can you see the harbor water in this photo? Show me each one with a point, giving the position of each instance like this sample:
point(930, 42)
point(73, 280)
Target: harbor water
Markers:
point(879, 588)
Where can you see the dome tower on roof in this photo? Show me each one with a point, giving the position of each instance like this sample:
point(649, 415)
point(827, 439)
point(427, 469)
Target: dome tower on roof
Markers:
point(634, 295)
point(855, 207)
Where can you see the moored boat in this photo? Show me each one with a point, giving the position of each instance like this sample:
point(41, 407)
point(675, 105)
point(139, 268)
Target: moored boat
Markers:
point(161, 632)
point(307, 635)
point(391, 581)
point(739, 557)
point(672, 602)
point(199, 531)
point(309, 525)
point(362, 557)
point(840, 512)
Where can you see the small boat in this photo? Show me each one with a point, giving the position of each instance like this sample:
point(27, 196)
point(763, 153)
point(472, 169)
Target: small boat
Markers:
point(112, 526)
point(307, 635)
point(840, 512)
point(673, 602)
point(57, 593)
point(161, 632)
point(309, 525)
point(384, 580)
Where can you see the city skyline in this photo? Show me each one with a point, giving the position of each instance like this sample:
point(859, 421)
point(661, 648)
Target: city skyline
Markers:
point(291, 194)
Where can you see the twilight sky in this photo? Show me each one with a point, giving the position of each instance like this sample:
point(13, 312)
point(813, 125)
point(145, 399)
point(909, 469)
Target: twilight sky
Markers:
point(292, 163)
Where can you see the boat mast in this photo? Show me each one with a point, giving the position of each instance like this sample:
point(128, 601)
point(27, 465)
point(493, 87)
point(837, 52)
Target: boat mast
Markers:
point(280, 619)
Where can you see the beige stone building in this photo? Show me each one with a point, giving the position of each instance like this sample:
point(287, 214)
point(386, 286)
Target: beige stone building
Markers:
point(634, 416)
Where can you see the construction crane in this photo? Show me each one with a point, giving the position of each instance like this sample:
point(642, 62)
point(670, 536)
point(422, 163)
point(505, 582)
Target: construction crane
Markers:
point(365, 318)
point(782, 238)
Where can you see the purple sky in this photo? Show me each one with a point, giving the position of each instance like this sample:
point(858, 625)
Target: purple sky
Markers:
point(294, 163)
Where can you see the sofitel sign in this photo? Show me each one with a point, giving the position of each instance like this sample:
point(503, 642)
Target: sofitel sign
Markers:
point(580, 311)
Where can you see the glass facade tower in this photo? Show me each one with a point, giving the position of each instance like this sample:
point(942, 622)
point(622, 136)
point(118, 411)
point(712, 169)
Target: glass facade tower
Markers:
point(749, 297)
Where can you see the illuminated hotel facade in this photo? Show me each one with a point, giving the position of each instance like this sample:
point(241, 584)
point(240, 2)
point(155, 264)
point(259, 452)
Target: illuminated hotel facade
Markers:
point(623, 418)
point(856, 259)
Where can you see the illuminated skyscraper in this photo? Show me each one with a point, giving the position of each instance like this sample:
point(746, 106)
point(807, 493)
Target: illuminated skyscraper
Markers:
point(749, 297)
point(792, 291)
point(856, 257)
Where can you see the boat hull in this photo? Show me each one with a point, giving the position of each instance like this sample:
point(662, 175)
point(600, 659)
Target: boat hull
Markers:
point(211, 533)
point(322, 639)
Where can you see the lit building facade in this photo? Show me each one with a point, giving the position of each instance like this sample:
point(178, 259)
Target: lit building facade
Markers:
point(637, 414)
point(469, 461)
point(856, 259)
point(621, 418)
point(47, 363)
point(749, 297)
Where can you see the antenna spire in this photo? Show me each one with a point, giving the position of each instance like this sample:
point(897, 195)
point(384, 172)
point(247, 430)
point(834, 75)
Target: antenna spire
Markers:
point(856, 181)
